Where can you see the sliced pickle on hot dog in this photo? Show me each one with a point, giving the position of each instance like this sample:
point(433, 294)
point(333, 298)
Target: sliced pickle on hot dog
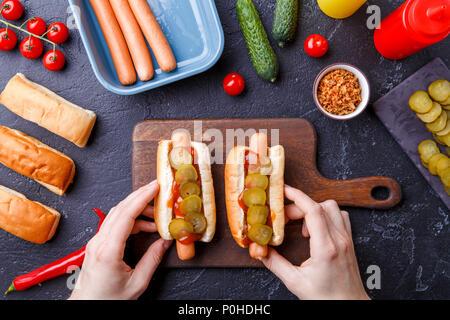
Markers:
point(191, 204)
point(186, 173)
point(266, 165)
point(261, 234)
point(197, 220)
point(445, 177)
point(180, 228)
point(420, 102)
point(431, 115)
point(438, 124)
point(427, 149)
point(442, 165)
point(256, 180)
point(439, 90)
point(254, 197)
point(179, 156)
point(257, 215)
point(432, 164)
point(189, 188)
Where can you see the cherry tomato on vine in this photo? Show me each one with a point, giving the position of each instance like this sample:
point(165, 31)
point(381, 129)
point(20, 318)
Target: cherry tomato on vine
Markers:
point(54, 60)
point(11, 9)
point(8, 39)
point(58, 32)
point(233, 84)
point(31, 47)
point(37, 26)
point(316, 46)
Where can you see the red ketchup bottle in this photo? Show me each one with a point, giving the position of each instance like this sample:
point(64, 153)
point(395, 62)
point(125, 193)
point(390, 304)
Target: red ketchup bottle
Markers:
point(414, 26)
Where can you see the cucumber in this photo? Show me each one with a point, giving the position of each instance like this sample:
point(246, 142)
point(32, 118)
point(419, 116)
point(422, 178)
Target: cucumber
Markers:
point(285, 21)
point(261, 53)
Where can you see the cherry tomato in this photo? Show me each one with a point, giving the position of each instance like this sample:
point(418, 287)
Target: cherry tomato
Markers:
point(11, 9)
point(58, 32)
point(191, 238)
point(316, 46)
point(37, 26)
point(31, 47)
point(233, 84)
point(54, 61)
point(8, 39)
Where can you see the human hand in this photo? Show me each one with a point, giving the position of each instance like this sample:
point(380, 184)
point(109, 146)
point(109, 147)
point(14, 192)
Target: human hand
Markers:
point(104, 275)
point(332, 271)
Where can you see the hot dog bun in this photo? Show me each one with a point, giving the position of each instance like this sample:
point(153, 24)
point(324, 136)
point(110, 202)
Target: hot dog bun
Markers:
point(38, 104)
point(33, 159)
point(163, 211)
point(26, 219)
point(235, 183)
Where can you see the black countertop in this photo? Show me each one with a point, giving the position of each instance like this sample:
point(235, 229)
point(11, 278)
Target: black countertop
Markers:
point(409, 243)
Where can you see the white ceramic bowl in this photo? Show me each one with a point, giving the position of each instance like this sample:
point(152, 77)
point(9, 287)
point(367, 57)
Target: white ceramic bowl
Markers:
point(363, 82)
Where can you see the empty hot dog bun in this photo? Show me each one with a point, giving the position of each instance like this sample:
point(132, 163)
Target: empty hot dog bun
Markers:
point(163, 203)
point(38, 104)
point(26, 219)
point(235, 184)
point(33, 159)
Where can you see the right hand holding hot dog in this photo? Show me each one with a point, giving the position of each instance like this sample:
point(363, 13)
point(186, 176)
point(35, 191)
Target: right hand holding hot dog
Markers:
point(332, 270)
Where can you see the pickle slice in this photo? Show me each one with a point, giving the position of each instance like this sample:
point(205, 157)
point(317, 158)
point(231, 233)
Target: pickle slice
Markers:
point(442, 165)
point(189, 189)
point(261, 234)
point(186, 173)
point(439, 90)
point(438, 124)
point(180, 228)
point(257, 215)
point(420, 102)
point(438, 139)
point(179, 156)
point(432, 115)
point(254, 197)
point(445, 177)
point(423, 163)
point(432, 164)
point(427, 149)
point(446, 104)
point(446, 139)
point(447, 189)
point(256, 180)
point(197, 220)
point(446, 130)
point(191, 204)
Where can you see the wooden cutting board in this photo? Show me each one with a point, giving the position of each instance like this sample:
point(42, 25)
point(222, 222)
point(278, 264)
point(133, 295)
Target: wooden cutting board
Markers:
point(299, 140)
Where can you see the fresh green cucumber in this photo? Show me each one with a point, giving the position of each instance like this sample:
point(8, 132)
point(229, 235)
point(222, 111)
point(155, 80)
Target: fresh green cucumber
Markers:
point(261, 53)
point(285, 22)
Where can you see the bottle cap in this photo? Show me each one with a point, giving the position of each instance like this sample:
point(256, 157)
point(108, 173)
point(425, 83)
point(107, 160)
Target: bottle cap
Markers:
point(430, 18)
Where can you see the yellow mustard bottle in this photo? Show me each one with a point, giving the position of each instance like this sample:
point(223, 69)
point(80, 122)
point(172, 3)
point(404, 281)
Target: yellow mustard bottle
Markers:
point(340, 9)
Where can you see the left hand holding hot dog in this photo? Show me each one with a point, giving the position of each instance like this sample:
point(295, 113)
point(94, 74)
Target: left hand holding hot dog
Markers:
point(104, 275)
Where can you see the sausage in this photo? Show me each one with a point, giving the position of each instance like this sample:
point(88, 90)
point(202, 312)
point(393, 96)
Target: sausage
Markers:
point(185, 251)
point(258, 145)
point(154, 35)
point(115, 41)
point(135, 40)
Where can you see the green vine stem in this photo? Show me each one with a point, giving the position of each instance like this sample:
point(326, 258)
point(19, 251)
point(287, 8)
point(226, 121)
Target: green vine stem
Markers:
point(8, 24)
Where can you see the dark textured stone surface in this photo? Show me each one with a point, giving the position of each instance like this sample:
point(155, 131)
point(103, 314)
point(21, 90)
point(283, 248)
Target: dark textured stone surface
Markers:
point(410, 243)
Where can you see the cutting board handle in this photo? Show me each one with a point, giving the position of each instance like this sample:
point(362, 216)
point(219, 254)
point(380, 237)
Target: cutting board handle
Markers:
point(359, 192)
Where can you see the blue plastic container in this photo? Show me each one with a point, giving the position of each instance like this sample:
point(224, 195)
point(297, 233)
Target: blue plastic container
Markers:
point(192, 28)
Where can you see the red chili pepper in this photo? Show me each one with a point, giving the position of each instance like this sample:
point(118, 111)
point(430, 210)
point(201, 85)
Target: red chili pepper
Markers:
point(54, 269)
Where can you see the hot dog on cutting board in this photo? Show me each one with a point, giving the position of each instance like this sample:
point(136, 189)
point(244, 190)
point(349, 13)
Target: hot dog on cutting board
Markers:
point(185, 207)
point(254, 182)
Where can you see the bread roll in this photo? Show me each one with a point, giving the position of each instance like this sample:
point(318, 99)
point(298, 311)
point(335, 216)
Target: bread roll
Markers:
point(33, 159)
point(26, 219)
point(163, 212)
point(37, 104)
